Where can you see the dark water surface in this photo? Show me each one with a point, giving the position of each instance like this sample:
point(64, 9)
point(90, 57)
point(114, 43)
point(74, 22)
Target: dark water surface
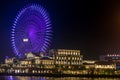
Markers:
point(51, 78)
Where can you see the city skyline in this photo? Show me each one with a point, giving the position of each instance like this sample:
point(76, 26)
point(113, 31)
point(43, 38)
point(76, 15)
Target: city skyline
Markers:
point(76, 24)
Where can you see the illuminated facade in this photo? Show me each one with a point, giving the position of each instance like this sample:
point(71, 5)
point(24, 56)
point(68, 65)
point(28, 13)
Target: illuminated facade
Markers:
point(113, 58)
point(105, 65)
point(60, 61)
point(31, 64)
point(30, 55)
point(66, 60)
point(110, 57)
point(25, 62)
point(47, 62)
point(9, 61)
point(89, 64)
point(67, 57)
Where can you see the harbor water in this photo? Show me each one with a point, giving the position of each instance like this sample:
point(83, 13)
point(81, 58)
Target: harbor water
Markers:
point(51, 78)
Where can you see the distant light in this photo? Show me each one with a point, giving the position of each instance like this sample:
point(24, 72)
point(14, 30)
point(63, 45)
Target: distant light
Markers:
point(25, 40)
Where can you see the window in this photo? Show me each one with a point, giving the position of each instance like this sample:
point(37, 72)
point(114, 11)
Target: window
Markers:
point(65, 57)
point(68, 58)
point(73, 58)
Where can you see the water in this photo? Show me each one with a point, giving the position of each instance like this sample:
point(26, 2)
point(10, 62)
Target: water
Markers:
point(51, 78)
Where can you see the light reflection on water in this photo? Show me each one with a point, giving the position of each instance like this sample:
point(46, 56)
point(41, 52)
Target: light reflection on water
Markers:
point(51, 78)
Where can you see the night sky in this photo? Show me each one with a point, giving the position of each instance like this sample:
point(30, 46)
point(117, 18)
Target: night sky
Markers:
point(88, 25)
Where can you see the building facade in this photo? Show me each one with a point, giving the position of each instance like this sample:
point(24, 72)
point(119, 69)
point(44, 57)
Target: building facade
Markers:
point(67, 57)
point(110, 57)
point(89, 64)
point(105, 65)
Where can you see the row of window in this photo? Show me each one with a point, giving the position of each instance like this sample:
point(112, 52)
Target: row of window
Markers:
point(68, 53)
point(26, 71)
point(64, 62)
point(37, 62)
point(69, 58)
point(39, 71)
point(104, 66)
point(26, 62)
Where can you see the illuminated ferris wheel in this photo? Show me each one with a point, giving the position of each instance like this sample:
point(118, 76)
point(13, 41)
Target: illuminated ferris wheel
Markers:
point(31, 31)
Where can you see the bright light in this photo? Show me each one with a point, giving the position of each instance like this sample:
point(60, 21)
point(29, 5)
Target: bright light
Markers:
point(25, 40)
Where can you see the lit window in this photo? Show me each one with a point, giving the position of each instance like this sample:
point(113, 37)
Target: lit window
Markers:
point(73, 58)
point(65, 57)
point(76, 53)
point(59, 57)
point(68, 58)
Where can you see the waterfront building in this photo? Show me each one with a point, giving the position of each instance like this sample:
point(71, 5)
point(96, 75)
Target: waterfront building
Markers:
point(113, 58)
point(44, 65)
point(89, 64)
point(60, 61)
point(10, 60)
point(110, 57)
point(29, 64)
point(67, 57)
point(25, 62)
point(30, 55)
point(105, 65)
point(47, 62)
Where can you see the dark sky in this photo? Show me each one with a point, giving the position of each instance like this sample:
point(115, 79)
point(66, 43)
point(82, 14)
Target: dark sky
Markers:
point(77, 24)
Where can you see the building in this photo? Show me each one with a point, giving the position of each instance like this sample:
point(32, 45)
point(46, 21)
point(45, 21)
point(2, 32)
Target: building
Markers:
point(61, 61)
point(44, 65)
point(110, 57)
point(65, 59)
point(30, 64)
point(9, 60)
point(89, 64)
point(25, 62)
point(47, 62)
point(30, 55)
point(105, 65)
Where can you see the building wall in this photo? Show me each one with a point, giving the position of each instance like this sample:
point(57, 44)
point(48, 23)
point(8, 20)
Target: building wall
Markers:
point(9, 61)
point(112, 66)
point(110, 57)
point(67, 57)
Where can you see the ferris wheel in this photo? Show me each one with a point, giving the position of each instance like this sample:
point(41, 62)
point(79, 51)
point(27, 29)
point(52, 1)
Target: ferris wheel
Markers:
point(31, 31)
